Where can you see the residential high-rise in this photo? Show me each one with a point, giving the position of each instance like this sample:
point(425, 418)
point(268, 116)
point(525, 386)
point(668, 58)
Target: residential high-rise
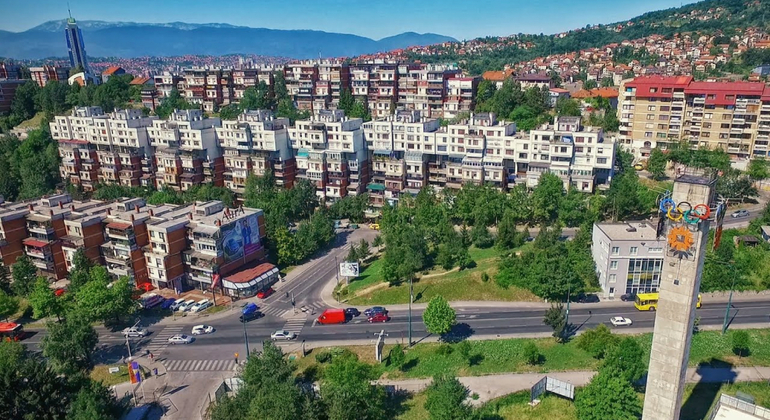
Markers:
point(75, 46)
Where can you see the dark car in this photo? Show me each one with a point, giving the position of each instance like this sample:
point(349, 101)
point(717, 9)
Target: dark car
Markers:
point(352, 312)
point(251, 316)
point(584, 298)
point(167, 303)
point(379, 317)
point(628, 297)
point(262, 294)
point(375, 310)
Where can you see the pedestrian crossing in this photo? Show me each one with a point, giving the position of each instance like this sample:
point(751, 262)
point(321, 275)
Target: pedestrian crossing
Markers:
point(199, 365)
point(295, 324)
point(159, 340)
point(273, 311)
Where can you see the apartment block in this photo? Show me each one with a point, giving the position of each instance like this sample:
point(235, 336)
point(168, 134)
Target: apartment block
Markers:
point(44, 74)
point(423, 87)
point(10, 71)
point(628, 257)
point(167, 82)
point(13, 231)
point(186, 150)
point(461, 96)
point(301, 79)
point(254, 143)
point(7, 92)
point(333, 78)
point(330, 152)
point(657, 111)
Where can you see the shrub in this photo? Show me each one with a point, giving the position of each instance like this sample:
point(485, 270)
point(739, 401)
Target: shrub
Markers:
point(464, 348)
point(396, 356)
point(323, 357)
point(444, 349)
point(740, 341)
point(531, 353)
point(597, 341)
point(484, 277)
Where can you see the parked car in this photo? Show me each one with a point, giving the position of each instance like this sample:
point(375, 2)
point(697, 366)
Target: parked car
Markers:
point(151, 300)
point(135, 332)
point(628, 297)
point(379, 317)
point(180, 339)
point(584, 298)
point(167, 303)
point(262, 294)
point(352, 312)
point(333, 316)
point(250, 316)
point(201, 305)
point(620, 321)
point(186, 305)
point(374, 310)
point(283, 335)
point(177, 303)
point(202, 329)
point(740, 213)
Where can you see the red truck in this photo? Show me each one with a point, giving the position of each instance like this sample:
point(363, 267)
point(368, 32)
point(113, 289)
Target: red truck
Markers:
point(332, 316)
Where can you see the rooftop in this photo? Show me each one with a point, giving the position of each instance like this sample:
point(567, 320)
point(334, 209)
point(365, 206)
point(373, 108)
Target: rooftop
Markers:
point(628, 231)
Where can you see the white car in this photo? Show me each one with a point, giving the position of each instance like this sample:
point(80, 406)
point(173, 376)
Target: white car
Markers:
point(185, 306)
point(283, 335)
point(202, 329)
point(201, 305)
point(620, 321)
point(180, 339)
point(135, 332)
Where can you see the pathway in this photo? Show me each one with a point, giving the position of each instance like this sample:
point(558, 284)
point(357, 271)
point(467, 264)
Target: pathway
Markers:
point(489, 387)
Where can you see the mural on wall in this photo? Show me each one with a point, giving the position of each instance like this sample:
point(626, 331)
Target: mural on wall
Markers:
point(240, 238)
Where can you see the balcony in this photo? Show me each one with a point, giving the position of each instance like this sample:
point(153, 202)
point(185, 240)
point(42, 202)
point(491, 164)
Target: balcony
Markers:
point(70, 241)
point(114, 255)
point(45, 264)
point(45, 228)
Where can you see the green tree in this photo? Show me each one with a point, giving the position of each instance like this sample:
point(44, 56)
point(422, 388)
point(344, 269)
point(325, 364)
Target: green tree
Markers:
point(590, 84)
point(347, 101)
point(439, 317)
point(100, 302)
point(70, 345)
point(568, 107)
point(626, 358)
point(24, 275)
point(396, 356)
point(229, 112)
point(445, 399)
point(507, 235)
point(23, 104)
point(94, 401)
point(531, 353)
point(608, 397)
point(363, 250)
point(9, 305)
point(758, 170)
point(623, 199)
point(481, 236)
point(657, 164)
point(597, 341)
point(36, 161)
point(81, 268)
point(741, 343)
point(347, 393)
point(555, 317)
point(44, 302)
point(546, 197)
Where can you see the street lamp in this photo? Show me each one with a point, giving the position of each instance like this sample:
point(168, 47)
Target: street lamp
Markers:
point(730, 299)
point(411, 298)
point(245, 339)
point(566, 317)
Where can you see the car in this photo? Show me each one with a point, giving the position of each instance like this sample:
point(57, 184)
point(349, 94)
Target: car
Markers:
point(135, 332)
point(202, 329)
point(250, 316)
point(180, 339)
point(186, 305)
point(375, 310)
point(352, 312)
point(740, 213)
point(283, 335)
point(176, 304)
point(584, 298)
point(60, 291)
point(262, 294)
point(201, 305)
point(620, 321)
point(379, 317)
point(628, 297)
point(374, 226)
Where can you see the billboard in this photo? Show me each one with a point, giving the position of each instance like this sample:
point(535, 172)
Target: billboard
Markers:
point(349, 269)
point(240, 238)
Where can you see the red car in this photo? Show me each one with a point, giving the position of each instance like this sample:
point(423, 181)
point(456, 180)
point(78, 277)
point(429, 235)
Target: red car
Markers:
point(59, 292)
point(379, 317)
point(265, 293)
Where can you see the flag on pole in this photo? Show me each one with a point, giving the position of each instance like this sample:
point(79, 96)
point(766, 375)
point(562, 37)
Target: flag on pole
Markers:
point(134, 373)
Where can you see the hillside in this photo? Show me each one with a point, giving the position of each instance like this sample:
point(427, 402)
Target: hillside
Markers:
point(492, 53)
point(129, 39)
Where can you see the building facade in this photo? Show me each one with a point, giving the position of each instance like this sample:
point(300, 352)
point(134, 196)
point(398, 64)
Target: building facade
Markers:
point(75, 46)
point(628, 257)
point(44, 74)
point(658, 111)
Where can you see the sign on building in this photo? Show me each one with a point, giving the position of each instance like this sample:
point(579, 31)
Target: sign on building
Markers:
point(349, 269)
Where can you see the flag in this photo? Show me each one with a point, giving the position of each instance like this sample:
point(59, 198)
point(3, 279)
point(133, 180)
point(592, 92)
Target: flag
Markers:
point(215, 281)
point(134, 373)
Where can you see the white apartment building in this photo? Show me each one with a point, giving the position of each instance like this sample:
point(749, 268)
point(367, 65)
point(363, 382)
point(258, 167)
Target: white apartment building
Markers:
point(628, 257)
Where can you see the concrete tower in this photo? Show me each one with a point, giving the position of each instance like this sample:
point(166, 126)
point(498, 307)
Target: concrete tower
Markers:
point(685, 222)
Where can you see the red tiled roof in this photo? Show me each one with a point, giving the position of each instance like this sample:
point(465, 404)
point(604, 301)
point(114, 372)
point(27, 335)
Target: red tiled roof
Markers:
point(721, 91)
point(559, 90)
point(644, 85)
point(118, 225)
point(74, 141)
point(112, 70)
point(497, 76)
point(35, 243)
point(139, 80)
point(249, 274)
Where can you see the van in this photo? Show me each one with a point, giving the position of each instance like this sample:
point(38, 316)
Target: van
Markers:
point(186, 305)
point(332, 316)
point(150, 301)
point(177, 303)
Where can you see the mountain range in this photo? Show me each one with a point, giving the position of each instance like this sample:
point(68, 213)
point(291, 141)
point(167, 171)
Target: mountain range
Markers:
point(130, 39)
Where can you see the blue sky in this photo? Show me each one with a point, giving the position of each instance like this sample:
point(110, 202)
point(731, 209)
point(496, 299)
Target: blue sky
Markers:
point(462, 19)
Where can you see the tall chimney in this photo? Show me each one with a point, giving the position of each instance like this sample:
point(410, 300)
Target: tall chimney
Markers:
point(136, 208)
point(61, 205)
point(132, 217)
point(218, 222)
point(72, 207)
point(31, 207)
point(109, 211)
point(152, 213)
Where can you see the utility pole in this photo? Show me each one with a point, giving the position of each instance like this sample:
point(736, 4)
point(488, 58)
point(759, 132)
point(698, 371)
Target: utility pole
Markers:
point(128, 344)
point(245, 339)
point(411, 298)
point(566, 318)
point(729, 301)
point(338, 270)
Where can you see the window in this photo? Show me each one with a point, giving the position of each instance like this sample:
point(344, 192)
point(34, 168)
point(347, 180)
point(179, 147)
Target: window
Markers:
point(634, 250)
point(656, 250)
point(615, 250)
point(613, 265)
point(613, 278)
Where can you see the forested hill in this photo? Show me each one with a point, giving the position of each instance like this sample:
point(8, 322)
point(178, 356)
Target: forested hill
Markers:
point(492, 53)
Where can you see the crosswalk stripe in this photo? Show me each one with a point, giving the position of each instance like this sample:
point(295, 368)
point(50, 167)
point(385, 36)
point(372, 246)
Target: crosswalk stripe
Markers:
point(210, 365)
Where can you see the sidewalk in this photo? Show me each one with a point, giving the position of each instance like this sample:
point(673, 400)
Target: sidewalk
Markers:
point(152, 386)
point(493, 386)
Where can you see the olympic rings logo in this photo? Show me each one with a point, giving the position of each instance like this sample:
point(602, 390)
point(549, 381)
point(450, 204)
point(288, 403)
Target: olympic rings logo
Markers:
point(684, 211)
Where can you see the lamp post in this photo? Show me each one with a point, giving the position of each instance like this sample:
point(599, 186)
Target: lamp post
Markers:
point(245, 339)
point(411, 298)
point(566, 317)
point(729, 300)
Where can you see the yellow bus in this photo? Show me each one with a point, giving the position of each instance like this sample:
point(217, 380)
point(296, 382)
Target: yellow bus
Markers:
point(649, 301)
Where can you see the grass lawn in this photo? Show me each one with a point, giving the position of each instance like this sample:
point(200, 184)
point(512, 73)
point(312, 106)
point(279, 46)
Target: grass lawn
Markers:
point(453, 285)
point(102, 373)
point(214, 309)
point(505, 356)
point(33, 122)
